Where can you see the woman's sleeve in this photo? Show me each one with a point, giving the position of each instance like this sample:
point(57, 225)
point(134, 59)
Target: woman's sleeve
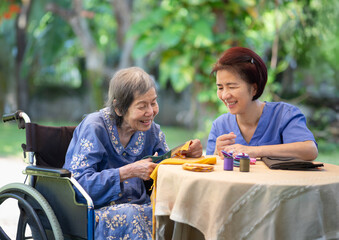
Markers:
point(85, 153)
point(295, 128)
point(212, 138)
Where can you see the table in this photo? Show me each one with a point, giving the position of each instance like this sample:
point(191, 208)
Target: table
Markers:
point(260, 204)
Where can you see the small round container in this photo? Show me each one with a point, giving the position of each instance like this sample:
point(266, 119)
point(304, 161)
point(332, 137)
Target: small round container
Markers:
point(228, 163)
point(244, 165)
point(228, 160)
point(244, 162)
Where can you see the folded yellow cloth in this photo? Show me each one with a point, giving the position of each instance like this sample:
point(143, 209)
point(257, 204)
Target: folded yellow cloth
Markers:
point(178, 153)
point(180, 161)
point(198, 167)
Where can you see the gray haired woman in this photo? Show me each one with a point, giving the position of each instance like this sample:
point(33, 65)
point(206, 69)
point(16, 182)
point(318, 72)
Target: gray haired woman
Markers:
point(105, 156)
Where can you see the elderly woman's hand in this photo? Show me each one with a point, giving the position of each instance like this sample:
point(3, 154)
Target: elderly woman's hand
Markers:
point(195, 149)
point(141, 169)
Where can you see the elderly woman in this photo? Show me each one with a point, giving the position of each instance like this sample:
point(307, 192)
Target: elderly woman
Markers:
point(106, 156)
point(252, 126)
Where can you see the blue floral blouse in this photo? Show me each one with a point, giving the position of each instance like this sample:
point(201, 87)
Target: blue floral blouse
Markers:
point(95, 155)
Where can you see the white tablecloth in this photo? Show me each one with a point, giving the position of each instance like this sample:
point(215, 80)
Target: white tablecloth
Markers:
point(260, 204)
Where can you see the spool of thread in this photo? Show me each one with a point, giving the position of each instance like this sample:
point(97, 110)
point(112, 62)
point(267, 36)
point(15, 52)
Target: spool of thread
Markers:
point(228, 163)
point(244, 164)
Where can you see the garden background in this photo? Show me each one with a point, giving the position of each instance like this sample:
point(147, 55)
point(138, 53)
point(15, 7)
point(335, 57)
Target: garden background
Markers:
point(57, 57)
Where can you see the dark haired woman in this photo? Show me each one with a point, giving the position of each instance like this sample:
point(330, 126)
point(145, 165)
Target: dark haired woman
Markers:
point(106, 151)
point(252, 126)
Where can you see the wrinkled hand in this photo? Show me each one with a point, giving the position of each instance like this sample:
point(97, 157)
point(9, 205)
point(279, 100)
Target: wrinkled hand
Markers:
point(144, 168)
point(194, 150)
point(223, 142)
point(238, 148)
point(141, 169)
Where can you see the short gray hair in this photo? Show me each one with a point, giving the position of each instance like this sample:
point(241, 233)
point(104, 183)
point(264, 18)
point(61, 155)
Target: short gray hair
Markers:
point(123, 87)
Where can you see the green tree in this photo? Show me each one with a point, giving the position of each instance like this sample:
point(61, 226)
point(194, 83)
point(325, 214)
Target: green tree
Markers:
point(184, 39)
point(80, 44)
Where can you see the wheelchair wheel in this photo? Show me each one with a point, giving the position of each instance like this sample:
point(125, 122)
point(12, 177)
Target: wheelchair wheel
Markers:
point(36, 216)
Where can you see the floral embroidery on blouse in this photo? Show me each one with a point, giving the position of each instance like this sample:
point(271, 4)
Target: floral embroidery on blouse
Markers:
point(139, 144)
point(78, 161)
point(162, 139)
point(134, 148)
point(86, 145)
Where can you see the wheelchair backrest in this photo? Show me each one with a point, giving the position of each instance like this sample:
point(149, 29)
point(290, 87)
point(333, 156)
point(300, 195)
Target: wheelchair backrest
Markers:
point(50, 144)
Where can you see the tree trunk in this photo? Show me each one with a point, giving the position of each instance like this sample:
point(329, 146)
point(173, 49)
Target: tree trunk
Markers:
point(287, 81)
point(123, 15)
point(4, 76)
point(21, 42)
point(275, 46)
point(95, 64)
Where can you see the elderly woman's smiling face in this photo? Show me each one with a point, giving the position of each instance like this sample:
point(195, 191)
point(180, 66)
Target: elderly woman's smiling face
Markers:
point(142, 111)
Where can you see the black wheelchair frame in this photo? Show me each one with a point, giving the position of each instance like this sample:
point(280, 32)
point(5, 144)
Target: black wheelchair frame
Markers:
point(47, 202)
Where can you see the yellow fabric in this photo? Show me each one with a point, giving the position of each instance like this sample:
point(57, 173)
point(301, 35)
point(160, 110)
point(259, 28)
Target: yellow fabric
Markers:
point(176, 161)
point(179, 161)
point(178, 153)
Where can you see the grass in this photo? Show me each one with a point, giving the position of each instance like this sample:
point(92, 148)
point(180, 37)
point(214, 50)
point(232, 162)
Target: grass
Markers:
point(11, 139)
point(177, 135)
point(330, 157)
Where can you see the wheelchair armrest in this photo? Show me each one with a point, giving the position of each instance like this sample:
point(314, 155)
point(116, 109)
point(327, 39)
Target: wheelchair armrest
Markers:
point(59, 173)
point(47, 171)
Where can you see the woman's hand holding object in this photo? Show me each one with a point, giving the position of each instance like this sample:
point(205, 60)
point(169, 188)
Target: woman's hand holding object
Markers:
point(223, 141)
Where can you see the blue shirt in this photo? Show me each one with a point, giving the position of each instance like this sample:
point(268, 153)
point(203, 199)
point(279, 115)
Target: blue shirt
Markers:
point(95, 155)
point(279, 123)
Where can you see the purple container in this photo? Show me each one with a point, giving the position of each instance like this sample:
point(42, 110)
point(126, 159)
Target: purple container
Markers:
point(228, 164)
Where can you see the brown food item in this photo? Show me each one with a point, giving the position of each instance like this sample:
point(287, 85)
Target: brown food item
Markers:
point(198, 167)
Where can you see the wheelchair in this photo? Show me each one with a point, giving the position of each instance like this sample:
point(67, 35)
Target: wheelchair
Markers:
point(47, 204)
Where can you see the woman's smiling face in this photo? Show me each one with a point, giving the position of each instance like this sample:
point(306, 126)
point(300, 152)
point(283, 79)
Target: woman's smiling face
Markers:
point(235, 93)
point(142, 111)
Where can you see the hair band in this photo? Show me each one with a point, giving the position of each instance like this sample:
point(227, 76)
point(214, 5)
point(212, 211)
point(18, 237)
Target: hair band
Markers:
point(252, 61)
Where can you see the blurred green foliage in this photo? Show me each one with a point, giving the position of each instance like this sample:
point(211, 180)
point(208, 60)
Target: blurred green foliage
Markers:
point(188, 36)
point(11, 140)
point(179, 41)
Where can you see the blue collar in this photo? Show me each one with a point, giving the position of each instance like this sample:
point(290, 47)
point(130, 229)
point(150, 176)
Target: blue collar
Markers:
point(135, 145)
